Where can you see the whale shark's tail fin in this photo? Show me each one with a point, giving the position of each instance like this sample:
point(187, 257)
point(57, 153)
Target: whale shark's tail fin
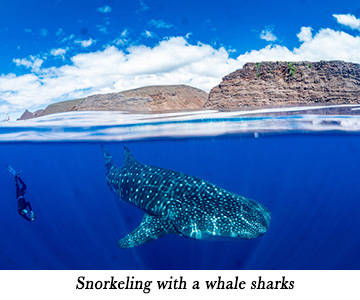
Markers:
point(128, 157)
point(108, 158)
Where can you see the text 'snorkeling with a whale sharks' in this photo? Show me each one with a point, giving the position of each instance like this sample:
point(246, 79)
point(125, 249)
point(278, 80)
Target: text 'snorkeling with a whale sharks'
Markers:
point(174, 202)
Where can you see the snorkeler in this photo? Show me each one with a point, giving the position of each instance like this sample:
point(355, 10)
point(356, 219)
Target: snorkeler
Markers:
point(24, 207)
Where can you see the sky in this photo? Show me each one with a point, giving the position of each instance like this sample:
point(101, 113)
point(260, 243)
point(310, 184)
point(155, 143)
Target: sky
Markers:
point(54, 50)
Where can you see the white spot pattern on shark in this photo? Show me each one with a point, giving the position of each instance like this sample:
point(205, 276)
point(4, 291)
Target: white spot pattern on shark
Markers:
point(174, 202)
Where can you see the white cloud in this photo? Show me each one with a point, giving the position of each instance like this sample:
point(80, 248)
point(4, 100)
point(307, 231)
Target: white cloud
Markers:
point(33, 63)
point(120, 42)
point(68, 38)
point(102, 28)
point(160, 24)
point(59, 32)
point(305, 35)
point(123, 39)
point(270, 52)
point(348, 20)
point(59, 52)
point(125, 33)
point(22, 85)
point(148, 34)
point(44, 32)
point(143, 7)
point(85, 43)
point(329, 44)
point(62, 38)
point(267, 34)
point(104, 9)
point(171, 61)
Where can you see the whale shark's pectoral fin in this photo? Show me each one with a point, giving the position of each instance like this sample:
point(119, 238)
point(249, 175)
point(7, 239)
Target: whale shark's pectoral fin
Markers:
point(151, 228)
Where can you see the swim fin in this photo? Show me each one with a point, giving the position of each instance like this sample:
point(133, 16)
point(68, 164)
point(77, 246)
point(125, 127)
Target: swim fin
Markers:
point(12, 171)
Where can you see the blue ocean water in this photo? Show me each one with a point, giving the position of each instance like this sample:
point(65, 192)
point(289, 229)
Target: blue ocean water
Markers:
point(308, 180)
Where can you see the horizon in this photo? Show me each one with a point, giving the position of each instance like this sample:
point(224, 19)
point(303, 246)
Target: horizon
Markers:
point(62, 50)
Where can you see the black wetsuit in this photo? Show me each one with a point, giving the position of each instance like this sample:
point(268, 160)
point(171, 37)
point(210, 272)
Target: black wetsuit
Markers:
point(22, 204)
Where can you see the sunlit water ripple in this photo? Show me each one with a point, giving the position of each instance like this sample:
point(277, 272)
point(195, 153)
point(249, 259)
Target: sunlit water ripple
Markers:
point(122, 126)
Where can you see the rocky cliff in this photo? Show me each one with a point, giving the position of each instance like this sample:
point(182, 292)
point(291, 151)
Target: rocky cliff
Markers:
point(29, 115)
point(160, 98)
point(263, 84)
point(148, 99)
point(279, 84)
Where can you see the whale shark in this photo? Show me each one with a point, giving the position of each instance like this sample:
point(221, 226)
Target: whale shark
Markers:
point(178, 203)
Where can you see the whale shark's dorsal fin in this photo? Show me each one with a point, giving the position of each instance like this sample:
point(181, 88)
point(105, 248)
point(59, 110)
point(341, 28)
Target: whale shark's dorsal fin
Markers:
point(109, 163)
point(128, 157)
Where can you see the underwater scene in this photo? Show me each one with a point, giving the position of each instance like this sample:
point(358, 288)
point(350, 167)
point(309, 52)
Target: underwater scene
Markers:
point(301, 172)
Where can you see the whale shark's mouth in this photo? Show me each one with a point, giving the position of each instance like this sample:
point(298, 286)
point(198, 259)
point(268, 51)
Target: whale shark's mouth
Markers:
point(257, 226)
point(263, 226)
point(267, 217)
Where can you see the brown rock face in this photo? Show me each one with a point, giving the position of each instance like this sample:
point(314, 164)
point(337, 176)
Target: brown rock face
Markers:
point(148, 99)
point(29, 115)
point(279, 84)
point(162, 98)
point(62, 106)
point(170, 97)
